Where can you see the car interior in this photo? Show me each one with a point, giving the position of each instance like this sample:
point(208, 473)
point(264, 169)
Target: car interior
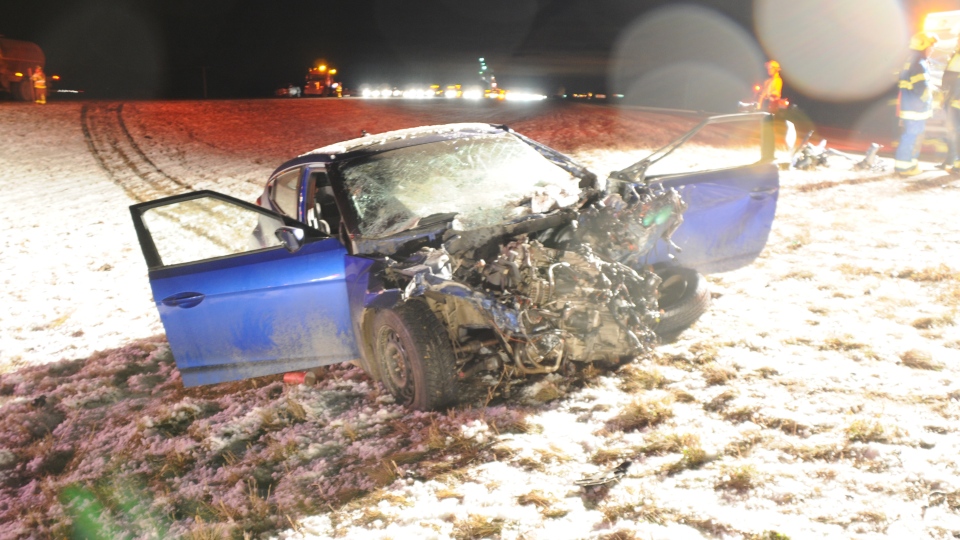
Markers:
point(325, 212)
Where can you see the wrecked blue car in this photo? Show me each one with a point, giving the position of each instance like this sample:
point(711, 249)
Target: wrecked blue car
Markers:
point(432, 254)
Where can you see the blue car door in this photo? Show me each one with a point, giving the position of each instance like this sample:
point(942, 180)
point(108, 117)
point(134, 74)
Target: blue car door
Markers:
point(235, 301)
point(728, 219)
point(731, 205)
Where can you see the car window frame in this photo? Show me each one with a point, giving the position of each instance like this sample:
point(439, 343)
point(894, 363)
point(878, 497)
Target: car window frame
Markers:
point(272, 191)
point(152, 255)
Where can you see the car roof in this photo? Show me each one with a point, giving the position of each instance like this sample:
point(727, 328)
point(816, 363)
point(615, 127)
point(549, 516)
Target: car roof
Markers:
point(373, 144)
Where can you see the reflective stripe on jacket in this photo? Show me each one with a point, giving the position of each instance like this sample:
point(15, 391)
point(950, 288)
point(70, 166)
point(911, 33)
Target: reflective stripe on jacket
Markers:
point(916, 96)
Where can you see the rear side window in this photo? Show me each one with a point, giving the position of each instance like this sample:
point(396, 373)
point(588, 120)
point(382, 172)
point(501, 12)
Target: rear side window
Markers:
point(286, 193)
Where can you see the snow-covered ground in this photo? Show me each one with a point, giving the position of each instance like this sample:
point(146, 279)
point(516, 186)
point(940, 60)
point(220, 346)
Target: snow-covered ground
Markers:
point(817, 398)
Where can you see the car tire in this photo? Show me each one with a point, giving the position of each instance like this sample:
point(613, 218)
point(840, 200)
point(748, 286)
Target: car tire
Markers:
point(683, 298)
point(414, 356)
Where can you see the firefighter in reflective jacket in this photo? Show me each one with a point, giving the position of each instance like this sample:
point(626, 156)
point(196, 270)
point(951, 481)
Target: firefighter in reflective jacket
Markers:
point(769, 97)
point(915, 104)
point(39, 85)
point(950, 89)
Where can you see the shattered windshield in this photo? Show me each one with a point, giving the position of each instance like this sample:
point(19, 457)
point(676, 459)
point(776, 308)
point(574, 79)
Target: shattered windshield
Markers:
point(484, 180)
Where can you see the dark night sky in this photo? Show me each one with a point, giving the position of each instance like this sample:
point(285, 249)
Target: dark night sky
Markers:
point(247, 48)
point(138, 48)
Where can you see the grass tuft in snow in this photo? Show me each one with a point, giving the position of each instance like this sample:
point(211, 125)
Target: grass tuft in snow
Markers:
point(951, 500)
point(766, 372)
point(538, 499)
point(741, 479)
point(950, 295)
point(642, 413)
point(476, 527)
point(202, 530)
point(604, 456)
point(786, 425)
point(870, 431)
point(800, 240)
point(715, 374)
point(842, 343)
point(801, 275)
point(768, 535)
point(697, 354)
point(694, 457)
point(383, 473)
point(670, 443)
point(742, 446)
point(682, 396)
point(719, 403)
point(924, 323)
point(740, 415)
point(917, 359)
point(857, 271)
point(644, 510)
point(930, 274)
point(622, 534)
point(822, 452)
point(635, 379)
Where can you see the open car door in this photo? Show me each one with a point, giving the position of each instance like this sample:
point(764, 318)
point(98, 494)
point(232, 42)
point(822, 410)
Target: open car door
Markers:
point(730, 205)
point(243, 292)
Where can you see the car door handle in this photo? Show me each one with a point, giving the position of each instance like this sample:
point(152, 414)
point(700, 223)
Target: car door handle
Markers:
point(184, 299)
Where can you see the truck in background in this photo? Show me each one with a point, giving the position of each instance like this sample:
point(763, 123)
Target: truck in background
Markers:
point(17, 59)
point(320, 82)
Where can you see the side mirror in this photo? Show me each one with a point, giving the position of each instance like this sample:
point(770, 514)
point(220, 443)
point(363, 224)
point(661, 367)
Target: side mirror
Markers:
point(290, 237)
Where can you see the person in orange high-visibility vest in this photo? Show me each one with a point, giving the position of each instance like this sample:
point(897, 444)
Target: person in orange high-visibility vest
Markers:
point(39, 85)
point(915, 104)
point(769, 97)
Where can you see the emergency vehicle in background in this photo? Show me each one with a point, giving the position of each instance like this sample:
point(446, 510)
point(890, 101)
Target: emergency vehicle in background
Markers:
point(17, 59)
point(320, 82)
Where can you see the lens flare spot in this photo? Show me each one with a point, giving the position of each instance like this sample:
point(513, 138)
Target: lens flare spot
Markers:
point(688, 58)
point(834, 51)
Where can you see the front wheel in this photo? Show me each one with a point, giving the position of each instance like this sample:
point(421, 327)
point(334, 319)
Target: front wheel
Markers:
point(414, 356)
point(683, 298)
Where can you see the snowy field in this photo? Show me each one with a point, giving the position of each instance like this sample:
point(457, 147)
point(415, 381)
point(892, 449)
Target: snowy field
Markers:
point(819, 396)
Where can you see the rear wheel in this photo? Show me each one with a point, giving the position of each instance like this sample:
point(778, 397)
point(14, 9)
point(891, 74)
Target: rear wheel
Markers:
point(23, 90)
point(683, 299)
point(414, 356)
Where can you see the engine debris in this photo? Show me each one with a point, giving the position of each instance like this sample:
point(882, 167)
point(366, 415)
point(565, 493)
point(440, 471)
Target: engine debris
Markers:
point(536, 300)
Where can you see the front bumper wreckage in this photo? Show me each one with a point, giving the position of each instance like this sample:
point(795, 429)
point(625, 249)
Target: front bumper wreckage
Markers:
point(537, 300)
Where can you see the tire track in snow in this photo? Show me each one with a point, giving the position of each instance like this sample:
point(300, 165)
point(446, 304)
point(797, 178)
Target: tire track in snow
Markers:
point(128, 166)
point(119, 155)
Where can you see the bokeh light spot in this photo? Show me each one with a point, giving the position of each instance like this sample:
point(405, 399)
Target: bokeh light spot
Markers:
point(688, 58)
point(835, 51)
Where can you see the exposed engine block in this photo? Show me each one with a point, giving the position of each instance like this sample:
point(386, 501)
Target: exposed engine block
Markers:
point(572, 304)
point(534, 307)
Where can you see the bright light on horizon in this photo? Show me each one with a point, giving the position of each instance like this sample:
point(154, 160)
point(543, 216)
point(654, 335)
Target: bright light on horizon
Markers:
point(524, 96)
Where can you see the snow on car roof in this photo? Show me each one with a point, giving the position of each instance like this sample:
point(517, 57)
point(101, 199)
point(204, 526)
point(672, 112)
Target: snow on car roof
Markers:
point(399, 135)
